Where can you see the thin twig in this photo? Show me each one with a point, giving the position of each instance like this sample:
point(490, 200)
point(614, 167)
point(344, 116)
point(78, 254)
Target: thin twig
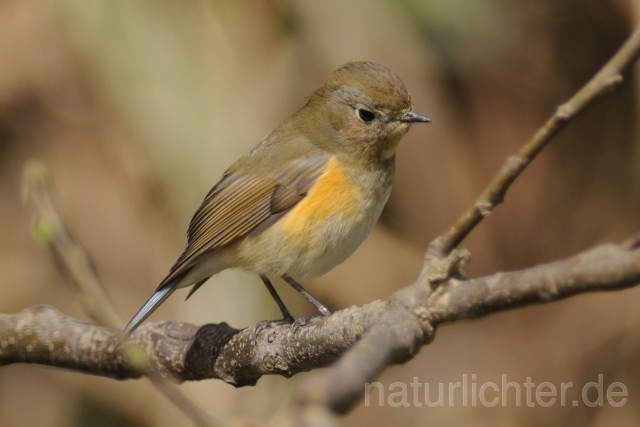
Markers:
point(603, 83)
point(50, 227)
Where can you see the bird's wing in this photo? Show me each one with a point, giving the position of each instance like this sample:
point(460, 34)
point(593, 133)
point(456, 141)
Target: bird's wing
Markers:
point(243, 203)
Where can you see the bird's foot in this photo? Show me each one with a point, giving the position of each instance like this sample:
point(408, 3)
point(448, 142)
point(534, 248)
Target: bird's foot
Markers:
point(301, 321)
point(264, 324)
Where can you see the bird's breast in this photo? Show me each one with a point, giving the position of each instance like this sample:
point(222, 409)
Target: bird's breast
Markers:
point(327, 225)
point(333, 198)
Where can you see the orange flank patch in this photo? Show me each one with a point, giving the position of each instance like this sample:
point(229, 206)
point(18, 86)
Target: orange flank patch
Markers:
point(332, 193)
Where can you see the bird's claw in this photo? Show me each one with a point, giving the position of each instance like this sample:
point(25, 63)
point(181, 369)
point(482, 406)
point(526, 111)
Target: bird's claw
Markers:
point(289, 320)
point(300, 322)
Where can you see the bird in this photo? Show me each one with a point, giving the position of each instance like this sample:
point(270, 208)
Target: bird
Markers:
point(307, 195)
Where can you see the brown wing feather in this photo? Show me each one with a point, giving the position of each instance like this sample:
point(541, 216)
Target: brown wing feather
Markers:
point(240, 204)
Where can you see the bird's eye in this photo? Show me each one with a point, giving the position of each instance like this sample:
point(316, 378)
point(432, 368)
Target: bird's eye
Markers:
point(365, 115)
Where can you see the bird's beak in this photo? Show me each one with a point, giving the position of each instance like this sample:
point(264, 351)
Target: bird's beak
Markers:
point(413, 117)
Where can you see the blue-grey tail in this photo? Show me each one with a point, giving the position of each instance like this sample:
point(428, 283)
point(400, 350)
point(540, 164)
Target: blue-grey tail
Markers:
point(154, 301)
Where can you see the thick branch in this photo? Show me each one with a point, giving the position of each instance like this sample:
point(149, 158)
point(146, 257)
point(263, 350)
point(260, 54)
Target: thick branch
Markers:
point(181, 351)
point(402, 323)
point(605, 268)
point(43, 335)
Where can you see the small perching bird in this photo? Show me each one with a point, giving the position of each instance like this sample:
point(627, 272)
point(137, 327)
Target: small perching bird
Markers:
point(302, 200)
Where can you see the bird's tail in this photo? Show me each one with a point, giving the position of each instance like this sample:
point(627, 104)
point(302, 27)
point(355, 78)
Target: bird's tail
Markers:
point(157, 298)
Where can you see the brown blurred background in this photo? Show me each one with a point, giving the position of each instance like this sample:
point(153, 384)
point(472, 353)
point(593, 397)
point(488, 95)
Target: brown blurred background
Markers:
point(138, 107)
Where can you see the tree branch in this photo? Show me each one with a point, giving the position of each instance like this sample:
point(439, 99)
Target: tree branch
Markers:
point(185, 352)
point(605, 268)
point(603, 83)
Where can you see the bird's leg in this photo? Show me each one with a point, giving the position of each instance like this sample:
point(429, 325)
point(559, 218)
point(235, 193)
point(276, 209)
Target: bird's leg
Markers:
point(287, 317)
point(321, 308)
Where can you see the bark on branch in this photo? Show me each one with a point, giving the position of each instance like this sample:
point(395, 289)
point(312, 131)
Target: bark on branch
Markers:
point(184, 352)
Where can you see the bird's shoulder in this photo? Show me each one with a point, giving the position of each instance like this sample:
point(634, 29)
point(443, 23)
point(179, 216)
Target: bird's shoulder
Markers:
point(278, 164)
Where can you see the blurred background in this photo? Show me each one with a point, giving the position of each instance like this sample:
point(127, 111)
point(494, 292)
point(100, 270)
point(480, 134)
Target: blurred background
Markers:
point(138, 107)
